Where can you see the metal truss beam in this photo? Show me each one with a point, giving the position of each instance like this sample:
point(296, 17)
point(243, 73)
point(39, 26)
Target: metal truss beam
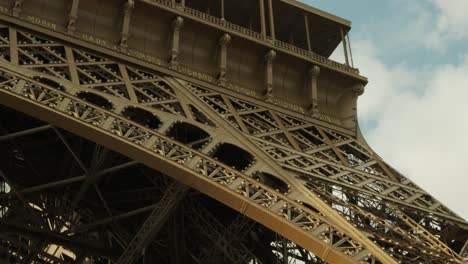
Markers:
point(60, 183)
point(57, 238)
point(229, 186)
point(105, 221)
point(283, 144)
point(464, 251)
point(153, 223)
point(91, 176)
point(24, 132)
point(16, 248)
point(232, 236)
point(220, 237)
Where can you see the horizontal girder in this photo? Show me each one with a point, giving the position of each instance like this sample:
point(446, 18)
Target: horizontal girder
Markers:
point(242, 193)
point(337, 196)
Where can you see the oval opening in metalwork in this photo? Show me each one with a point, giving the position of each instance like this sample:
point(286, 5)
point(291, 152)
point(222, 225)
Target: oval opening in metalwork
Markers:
point(271, 181)
point(142, 117)
point(50, 83)
point(189, 134)
point(233, 156)
point(96, 100)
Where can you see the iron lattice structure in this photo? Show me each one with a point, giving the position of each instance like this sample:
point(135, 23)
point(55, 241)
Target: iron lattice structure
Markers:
point(104, 159)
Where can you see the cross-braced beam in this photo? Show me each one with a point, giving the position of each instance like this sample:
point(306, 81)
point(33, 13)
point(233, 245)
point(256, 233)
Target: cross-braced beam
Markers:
point(233, 235)
point(220, 237)
point(153, 223)
point(57, 238)
point(24, 132)
point(360, 189)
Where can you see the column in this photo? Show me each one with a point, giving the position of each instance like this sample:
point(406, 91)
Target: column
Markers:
point(345, 45)
point(17, 6)
point(73, 16)
point(127, 13)
point(312, 89)
point(222, 10)
point(262, 17)
point(269, 58)
point(223, 43)
point(306, 21)
point(176, 26)
point(272, 19)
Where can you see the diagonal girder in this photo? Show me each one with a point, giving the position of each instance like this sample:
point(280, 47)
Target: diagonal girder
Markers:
point(174, 153)
point(153, 223)
point(354, 173)
point(234, 234)
point(363, 173)
point(60, 239)
point(398, 191)
point(218, 235)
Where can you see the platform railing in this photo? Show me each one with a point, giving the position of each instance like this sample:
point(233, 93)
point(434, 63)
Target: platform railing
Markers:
point(247, 32)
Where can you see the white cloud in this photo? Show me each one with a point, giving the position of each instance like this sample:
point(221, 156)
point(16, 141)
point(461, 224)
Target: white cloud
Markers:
point(418, 112)
point(434, 25)
point(451, 22)
point(421, 122)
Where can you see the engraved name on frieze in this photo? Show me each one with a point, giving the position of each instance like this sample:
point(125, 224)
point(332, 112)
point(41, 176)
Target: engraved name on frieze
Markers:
point(144, 56)
point(98, 41)
point(41, 22)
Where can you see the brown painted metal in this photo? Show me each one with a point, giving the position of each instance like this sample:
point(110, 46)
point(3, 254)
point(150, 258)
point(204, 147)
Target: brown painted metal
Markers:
point(343, 203)
point(174, 169)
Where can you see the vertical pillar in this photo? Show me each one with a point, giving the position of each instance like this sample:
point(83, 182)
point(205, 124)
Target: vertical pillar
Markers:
point(14, 57)
point(306, 21)
point(176, 26)
point(262, 17)
point(223, 43)
point(17, 6)
point(128, 7)
point(312, 89)
point(269, 58)
point(182, 2)
point(345, 45)
point(73, 16)
point(272, 19)
point(291, 38)
point(208, 7)
point(222, 10)
point(350, 50)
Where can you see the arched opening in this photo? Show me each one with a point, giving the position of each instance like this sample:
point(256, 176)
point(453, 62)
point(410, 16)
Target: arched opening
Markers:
point(142, 117)
point(233, 156)
point(189, 134)
point(96, 99)
point(271, 181)
point(50, 83)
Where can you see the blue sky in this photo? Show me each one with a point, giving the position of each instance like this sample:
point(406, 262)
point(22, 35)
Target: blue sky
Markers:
point(382, 20)
point(414, 111)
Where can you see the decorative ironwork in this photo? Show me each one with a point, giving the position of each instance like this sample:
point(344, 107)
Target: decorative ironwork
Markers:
point(341, 201)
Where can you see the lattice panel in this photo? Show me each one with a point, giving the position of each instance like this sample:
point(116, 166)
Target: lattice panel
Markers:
point(386, 207)
point(312, 223)
point(341, 168)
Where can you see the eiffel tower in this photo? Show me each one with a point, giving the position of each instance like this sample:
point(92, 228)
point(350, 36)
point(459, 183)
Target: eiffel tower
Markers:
point(196, 131)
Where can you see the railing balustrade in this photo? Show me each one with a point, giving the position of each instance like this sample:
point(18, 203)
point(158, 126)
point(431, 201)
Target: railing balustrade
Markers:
point(242, 30)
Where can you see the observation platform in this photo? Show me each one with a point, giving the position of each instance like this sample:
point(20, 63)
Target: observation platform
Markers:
point(273, 51)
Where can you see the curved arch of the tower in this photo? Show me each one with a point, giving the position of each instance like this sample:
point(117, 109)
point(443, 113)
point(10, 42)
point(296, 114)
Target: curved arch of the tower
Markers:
point(156, 131)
